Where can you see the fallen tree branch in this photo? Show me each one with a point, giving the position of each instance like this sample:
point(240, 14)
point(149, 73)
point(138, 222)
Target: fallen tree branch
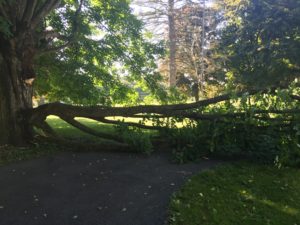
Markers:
point(214, 116)
point(69, 112)
point(46, 129)
point(60, 109)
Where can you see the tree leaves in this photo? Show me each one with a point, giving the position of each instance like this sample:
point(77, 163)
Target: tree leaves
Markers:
point(260, 44)
point(107, 47)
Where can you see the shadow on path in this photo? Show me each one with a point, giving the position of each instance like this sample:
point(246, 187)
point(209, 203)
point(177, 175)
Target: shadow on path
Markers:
point(91, 189)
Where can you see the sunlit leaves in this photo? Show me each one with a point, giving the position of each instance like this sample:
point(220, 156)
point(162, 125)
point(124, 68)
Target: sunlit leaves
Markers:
point(107, 50)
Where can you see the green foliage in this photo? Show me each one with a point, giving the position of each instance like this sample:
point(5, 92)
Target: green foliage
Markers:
point(239, 194)
point(175, 96)
point(223, 140)
point(107, 58)
point(267, 138)
point(189, 143)
point(260, 41)
point(238, 139)
point(137, 139)
point(290, 154)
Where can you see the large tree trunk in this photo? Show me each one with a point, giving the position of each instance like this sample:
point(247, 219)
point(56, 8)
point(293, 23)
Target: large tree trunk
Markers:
point(172, 44)
point(15, 98)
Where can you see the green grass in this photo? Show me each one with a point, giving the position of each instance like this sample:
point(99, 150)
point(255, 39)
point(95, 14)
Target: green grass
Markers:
point(10, 154)
point(65, 130)
point(239, 194)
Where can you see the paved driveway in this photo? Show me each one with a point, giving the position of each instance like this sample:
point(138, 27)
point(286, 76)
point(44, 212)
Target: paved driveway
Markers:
point(91, 189)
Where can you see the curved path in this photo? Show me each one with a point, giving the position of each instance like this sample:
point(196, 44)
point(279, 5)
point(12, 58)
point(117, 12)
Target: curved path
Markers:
point(91, 189)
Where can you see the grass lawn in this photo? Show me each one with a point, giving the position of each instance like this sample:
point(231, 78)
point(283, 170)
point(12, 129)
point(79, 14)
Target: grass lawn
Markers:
point(239, 194)
point(66, 130)
point(12, 154)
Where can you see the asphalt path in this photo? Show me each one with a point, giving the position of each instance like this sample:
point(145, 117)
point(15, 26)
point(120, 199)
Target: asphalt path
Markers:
point(92, 189)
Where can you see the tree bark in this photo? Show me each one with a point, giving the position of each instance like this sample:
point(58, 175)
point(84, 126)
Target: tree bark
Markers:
point(15, 98)
point(172, 44)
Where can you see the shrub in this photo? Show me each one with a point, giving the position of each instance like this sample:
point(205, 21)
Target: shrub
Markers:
point(237, 139)
point(135, 138)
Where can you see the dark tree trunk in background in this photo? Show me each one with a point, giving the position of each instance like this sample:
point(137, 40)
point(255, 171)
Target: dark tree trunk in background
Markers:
point(172, 44)
point(15, 97)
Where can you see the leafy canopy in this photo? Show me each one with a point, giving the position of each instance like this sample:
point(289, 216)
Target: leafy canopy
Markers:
point(106, 57)
point(261, 41)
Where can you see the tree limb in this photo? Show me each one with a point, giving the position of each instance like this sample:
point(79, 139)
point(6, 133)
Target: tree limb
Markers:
point(46, 128)
point(296, 97)
point(54, 49)
point(60, 109)
point(45, 9)
point(68, 40)
point(103, 120)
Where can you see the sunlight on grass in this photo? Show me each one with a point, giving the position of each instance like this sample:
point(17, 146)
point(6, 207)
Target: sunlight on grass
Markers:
point(286, 209)
point(239, 194)
point(146, 122)
point(65, 130)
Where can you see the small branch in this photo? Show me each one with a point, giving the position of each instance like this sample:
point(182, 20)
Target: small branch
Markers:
point(214, 116)
point(54, 49)
point(103, 120)
point(78, 10)
point(296, 97)
point(68, 40)
point(51, 34)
